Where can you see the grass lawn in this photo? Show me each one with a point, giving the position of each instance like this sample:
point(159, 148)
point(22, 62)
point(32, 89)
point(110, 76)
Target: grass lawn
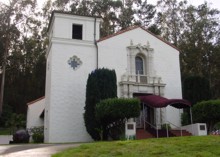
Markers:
point(4, 131)
point(193, 146)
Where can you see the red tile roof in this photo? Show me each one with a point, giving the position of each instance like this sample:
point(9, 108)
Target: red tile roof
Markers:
point(134, 27)
point(32, 102)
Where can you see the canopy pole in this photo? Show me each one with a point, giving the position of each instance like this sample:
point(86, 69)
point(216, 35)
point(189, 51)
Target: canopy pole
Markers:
point(181, 131)
point(191, 120)
point(166, 122)
point(156, 122)
point(161, 120)
point(144, 116)
point(191, 115)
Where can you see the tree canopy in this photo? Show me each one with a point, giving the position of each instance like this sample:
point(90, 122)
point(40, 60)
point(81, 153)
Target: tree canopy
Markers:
point(22, 47)
point(196, 89)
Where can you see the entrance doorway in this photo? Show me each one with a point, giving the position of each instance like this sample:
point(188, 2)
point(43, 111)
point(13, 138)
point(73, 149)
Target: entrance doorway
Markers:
point(146, 117)
point(147, 114)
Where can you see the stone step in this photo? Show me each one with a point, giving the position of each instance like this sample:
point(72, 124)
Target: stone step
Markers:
point(178, 133)
point(143, 134)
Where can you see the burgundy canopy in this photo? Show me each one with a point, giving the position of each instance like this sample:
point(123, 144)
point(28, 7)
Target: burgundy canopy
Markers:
point(159, 102)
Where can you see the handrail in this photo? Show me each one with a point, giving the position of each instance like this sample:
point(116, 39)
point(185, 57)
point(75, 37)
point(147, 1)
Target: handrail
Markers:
point(173, 124)
point(181, 131)
point(150, 124)
point(168, 122)
point(155, 127)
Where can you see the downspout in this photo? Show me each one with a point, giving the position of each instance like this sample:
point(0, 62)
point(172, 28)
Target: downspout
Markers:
point(96, 45)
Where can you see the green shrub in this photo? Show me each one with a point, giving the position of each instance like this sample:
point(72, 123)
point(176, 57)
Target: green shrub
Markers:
point(38, 138)
point(6, 115)
point(111, 110)
point(112, 113)
point(165, 126)
point(207, 112)
point(101, 84)
point(116, 132)
point(185, 118)
point(15, 122)
point(217, 126)
point(5, 131)
point(37, 134)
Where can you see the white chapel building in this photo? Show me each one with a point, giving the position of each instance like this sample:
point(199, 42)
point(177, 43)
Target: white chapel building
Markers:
point(144, 63)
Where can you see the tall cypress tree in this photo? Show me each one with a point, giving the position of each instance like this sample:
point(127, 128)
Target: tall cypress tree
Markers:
point(196, 89)
point(101, 84)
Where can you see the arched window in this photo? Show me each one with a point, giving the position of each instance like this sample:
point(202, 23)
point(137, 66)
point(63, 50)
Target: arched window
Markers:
point(139, 64)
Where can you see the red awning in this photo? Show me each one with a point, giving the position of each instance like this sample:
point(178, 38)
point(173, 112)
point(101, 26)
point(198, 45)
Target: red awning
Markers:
point(156, 101)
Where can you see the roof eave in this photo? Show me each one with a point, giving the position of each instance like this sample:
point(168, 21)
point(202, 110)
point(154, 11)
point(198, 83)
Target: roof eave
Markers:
point(135, 27)
point(67, 13)
point(32, 102)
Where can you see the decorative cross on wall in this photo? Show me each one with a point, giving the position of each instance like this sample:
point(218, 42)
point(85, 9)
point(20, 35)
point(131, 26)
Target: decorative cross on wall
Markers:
point(74, 62)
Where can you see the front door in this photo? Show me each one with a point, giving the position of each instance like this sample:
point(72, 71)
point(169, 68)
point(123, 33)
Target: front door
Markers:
point(139, 120)
point(146, 116)
point(142, 117)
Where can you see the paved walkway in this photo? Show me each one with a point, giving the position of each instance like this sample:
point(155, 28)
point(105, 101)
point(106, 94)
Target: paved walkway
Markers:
point(33, 150)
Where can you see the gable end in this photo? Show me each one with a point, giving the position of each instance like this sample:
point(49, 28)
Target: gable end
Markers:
point(135, 27)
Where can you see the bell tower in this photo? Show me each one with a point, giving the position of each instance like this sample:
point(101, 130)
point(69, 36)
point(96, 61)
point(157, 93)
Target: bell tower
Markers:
point(71, 56)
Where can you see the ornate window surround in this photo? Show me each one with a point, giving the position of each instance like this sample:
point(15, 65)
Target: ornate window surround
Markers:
point(143, 51)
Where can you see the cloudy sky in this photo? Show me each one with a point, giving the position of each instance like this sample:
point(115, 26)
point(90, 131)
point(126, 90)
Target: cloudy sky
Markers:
point(212, 3)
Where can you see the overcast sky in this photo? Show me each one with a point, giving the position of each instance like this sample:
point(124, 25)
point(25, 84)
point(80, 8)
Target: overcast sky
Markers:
point(213, 3)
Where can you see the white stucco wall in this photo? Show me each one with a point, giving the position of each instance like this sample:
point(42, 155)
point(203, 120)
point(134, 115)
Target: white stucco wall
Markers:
point(34, 111)
point(68, 88)
point(65, 86)
point(61, 27)
point(195, 129)
point(165, 63)
point(47, 96)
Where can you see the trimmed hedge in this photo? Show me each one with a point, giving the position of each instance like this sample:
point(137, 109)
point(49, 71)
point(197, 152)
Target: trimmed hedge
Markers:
point(111, 110)
point(207, 112)
point(112, 113)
